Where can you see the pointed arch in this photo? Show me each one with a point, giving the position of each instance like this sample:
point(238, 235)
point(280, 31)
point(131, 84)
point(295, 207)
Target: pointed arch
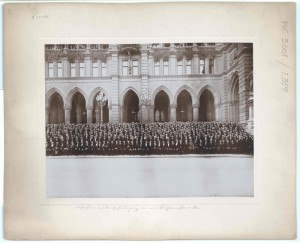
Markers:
point(234, 99)
point(71, 94)
point(125, 92)
point(166, 90)
point(215, 93)
point(189, 90)
point(130, 106)
point(94, 92)
point(50, 93)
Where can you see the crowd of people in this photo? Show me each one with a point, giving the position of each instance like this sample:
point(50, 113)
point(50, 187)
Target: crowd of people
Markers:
point(147, 138)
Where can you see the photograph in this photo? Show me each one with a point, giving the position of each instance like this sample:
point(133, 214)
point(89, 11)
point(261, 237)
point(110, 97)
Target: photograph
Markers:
point(149, 120)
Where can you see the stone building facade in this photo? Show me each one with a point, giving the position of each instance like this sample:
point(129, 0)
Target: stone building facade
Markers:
point(150, 82)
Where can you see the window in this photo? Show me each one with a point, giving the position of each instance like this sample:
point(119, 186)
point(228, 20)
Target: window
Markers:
point(135, 68)
point(156, 68)
point(95, 68)
point(179, 67)
point(188, 67)
point(125, 68)
point(202, 66)
point(166, 67)
point(50, 70)
point(103, 69)
point(73, 69)
point(211, 66)
point(81, 69)
point(59, 69)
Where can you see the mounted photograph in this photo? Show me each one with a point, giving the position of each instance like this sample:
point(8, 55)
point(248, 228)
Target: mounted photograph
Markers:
point(149, 120)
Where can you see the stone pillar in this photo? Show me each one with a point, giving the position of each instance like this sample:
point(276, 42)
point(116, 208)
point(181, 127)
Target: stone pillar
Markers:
point(195, 112)
point(173, 113)
point(161, 66)
point(206, 65)
point(144, 60)
point(184, 65)
point(88, 66)
point(89, 110)
point(97, 113)
point(195, 64)
point(217, 110)
point(67, 114)
point(144, 115)
point(151, 113)
point(172, 58)
point(66, 67)
point(55, 68)
point(114, 72)
point(47, 115)
point(46, 70)
point(77, 68)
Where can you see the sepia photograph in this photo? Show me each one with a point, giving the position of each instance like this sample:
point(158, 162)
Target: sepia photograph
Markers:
point(149, 120)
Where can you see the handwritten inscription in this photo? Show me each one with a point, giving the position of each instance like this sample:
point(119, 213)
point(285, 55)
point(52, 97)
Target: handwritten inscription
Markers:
point(284, 54)
point(136, 208)
point(35, 17)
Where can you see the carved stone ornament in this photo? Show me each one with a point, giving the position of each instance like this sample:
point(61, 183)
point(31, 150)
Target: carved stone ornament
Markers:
point(187, 52)
point(53, 55)
point(164, 54)
point(75, 54)
point(98, 55)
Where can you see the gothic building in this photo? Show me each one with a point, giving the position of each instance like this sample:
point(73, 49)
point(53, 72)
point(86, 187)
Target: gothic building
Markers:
point(150, 82)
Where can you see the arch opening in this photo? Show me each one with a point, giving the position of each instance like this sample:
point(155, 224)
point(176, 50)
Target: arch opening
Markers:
point(97, 112)
point(56, 109)
point(235, 104)
point(131, 107)
point(184, 111)
point(207, 106)
point(161, 107)
point(78, 111)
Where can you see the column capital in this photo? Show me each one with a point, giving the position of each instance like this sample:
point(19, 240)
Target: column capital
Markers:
point(89, 107)
point(173, 106)
point(195, 106)
point(67, 107)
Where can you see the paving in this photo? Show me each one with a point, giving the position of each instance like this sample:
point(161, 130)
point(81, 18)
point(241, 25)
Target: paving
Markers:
point(150, 176)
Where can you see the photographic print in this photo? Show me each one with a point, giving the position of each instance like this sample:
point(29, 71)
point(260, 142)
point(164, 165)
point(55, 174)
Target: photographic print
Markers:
point(149, 120)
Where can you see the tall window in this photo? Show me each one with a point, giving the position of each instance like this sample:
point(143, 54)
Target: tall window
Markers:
point(211, 66)
point(202, 66)
point(73, 69)
point(179, 67)
point(166, 67)
point(156, 68)
point(95, 68)
point(103, 69)
point(81, 69)
point(125, 68)
point(50, 69)
point(59, 69)
point(135, 68)
point(188, 67)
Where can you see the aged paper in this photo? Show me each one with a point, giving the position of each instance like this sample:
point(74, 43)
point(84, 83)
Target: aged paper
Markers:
point(270, 214)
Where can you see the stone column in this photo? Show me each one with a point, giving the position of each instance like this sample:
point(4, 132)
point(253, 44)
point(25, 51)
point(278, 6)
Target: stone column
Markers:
point(47, 115)
point(206, 65)
point(88, 66)
point(67, 114)
point(121, 113)
point(184, 65)
point(195, 112)
point(195, 64)
point(172, 58)
point(66, 67)
point(46, 70)
point(217, 110)
point(89, 110)
point(97, 112)
point(55, 68)
point(173, 113)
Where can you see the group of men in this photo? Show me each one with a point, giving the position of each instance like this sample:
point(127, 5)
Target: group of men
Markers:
point(147, 138)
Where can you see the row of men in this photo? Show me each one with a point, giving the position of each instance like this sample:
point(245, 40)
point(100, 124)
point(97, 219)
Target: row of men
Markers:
point(147, 138)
